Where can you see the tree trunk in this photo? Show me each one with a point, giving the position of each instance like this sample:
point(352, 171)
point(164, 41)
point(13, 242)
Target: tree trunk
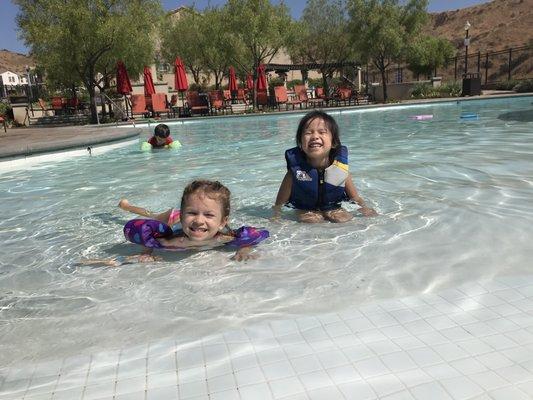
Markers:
point(384, 83)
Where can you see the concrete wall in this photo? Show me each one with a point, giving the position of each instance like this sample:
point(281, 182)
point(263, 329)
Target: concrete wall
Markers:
point(399, 91)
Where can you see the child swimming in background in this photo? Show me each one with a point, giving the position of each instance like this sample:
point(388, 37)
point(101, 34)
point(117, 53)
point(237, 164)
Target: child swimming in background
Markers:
point(317, 179)
point(161, 137)
point(202, 223)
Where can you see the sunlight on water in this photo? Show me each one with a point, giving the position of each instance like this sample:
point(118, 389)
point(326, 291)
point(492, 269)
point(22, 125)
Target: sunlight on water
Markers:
point(454, 198)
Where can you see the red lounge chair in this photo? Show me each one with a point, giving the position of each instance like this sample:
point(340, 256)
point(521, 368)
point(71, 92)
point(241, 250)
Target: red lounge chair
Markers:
point(262, 99)
point(241, 97)
point(282, 98)
point(217, 102)
point(320, 94)
point(159, 104)
point(3, 122)
point(138, 105)
point(344, 95)
point(301, 92)
point(58, 105)
point(196, 104)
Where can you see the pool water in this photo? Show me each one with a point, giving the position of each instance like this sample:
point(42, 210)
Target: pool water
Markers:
point(453, 196)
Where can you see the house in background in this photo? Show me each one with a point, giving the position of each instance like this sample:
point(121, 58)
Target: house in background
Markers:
point(9, 81)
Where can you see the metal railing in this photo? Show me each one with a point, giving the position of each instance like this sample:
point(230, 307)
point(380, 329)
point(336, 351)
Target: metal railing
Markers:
point(493, 66)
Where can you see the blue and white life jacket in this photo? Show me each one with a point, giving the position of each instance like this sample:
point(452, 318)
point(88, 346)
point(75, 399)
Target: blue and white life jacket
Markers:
point(313, 189)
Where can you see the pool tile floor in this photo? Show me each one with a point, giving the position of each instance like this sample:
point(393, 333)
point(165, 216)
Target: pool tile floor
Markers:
point(472, 342)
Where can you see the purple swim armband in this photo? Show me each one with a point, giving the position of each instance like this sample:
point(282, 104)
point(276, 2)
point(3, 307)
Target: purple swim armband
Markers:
point(146, 232)
point(248, 236)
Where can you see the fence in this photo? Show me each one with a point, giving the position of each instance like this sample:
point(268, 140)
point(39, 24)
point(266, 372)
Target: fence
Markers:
point(494, 67)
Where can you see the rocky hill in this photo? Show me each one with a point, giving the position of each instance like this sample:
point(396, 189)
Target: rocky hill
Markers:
point(496, 25)
point(14, 62)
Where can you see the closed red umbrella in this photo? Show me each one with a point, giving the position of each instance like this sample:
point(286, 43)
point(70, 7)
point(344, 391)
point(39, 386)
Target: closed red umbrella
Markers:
point(180, 77)
point(249, 82)
point(123, 80)
point(232, 80)
point(261, 78)
point(123, 83)
point(149, 87)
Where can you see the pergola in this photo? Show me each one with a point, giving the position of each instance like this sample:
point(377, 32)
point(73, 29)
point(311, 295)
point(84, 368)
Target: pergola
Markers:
point(304, 68)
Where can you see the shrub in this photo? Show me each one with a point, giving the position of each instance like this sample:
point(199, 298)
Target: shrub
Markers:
point(5, 110)
point(450, 90)
point(524, 86)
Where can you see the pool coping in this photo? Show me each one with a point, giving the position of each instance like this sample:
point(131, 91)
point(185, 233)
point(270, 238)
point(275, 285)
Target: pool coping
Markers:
point(28, 142)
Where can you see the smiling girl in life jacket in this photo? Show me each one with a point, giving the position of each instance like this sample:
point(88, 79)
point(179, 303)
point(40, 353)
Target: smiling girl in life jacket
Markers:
point(317, 179)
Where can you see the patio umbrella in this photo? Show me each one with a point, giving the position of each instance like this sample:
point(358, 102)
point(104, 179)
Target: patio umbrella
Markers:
point(249, 81)
point(261, 78)
point(123, 82)
point(180, 77)
point(149, 87)
point(232, 81)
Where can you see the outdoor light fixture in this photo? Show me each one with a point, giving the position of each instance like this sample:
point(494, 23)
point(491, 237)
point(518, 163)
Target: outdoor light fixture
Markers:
point(467, 42)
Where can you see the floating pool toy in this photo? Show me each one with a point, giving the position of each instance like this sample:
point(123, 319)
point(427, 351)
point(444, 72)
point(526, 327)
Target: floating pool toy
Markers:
point(421, 117)
point(145, 146)
point(469, 116)
point(146, 232)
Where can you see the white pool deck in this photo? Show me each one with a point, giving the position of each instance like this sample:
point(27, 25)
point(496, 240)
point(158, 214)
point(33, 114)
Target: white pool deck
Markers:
point(471, 342)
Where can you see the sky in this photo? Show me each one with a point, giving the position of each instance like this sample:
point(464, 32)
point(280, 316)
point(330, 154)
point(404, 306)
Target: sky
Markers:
point(10, 41)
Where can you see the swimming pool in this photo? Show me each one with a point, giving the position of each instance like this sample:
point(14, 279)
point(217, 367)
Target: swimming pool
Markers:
point(454, 198)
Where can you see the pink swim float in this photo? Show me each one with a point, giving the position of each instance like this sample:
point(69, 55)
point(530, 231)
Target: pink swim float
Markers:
point(421, 117)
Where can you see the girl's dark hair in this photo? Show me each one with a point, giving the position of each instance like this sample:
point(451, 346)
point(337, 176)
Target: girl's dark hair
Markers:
point(212, 189)
point(331, 124)
point(162, 130)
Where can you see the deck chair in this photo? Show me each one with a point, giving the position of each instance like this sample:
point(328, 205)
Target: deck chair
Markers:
point(217, 102)
point(197, 104)
point(44, 107)
point(280, 93)
point(262, 100)
point(301, 92)
point(159, 104)
point(58, 105)
point(138, 105)
point(241, 96)
point(344, 95)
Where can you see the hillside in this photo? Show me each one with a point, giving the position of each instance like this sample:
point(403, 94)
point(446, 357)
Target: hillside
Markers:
point(14, 62)
point(496, 25)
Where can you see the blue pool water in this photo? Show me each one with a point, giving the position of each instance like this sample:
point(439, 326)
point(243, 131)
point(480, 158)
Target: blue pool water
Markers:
point(454, 198)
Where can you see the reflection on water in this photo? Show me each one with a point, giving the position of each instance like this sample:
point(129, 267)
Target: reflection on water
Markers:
point(454, 200)
point(520, 116)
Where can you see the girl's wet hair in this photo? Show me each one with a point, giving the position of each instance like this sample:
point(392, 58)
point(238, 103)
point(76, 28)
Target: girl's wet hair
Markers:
point(212, 189)
point(330, 122)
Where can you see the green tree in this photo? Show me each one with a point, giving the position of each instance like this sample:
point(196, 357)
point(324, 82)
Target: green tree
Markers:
point(428, 53)
point(258, 30)
point(81, 40)
point(323, 37)
point(381, 29)
point(181, 37)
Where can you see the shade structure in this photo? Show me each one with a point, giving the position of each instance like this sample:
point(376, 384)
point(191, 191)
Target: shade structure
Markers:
point(123, 80)
point(149, 87)
point(249, 82)
point(232, 80)
point(180, 77)
point(261, 78)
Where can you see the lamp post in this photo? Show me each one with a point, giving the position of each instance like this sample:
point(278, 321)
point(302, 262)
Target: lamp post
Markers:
point(467, 42)
point(29, 87)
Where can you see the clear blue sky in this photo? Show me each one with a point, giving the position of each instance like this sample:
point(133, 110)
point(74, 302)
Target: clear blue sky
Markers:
point(8, 11)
